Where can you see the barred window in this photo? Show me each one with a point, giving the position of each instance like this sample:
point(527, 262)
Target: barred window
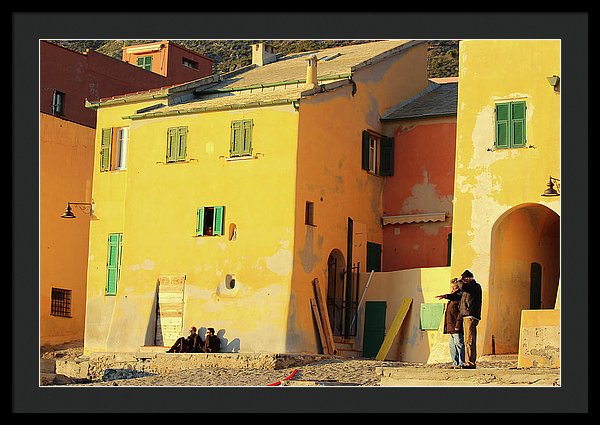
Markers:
point(61, 302)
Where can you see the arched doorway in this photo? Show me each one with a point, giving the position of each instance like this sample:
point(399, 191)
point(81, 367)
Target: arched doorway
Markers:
point(335, 290)
point(524, 271)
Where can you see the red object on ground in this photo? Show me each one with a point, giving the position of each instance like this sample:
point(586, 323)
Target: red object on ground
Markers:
point(290, 376)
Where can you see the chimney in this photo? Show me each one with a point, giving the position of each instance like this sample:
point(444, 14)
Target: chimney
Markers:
point(311, 72)
point(263, 54)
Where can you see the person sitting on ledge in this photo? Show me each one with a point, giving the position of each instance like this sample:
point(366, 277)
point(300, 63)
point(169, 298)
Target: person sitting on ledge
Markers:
point(211, 343)
point(191, 344)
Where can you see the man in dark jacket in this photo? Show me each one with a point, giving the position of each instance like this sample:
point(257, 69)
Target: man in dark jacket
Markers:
point(470, 313)
point(453, 324)
point(212, 343)
point(191, 344)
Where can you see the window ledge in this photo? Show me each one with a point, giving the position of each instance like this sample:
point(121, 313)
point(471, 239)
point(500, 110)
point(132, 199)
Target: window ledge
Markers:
point(241, 158)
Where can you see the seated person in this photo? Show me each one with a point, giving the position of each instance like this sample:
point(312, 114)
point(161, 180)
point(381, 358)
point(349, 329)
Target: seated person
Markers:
point(212, 343)
point(191, 344)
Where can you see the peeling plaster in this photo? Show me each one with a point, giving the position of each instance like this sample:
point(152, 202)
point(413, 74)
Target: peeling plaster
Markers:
point(146, 265)
point(281, 262)
point(425, 198)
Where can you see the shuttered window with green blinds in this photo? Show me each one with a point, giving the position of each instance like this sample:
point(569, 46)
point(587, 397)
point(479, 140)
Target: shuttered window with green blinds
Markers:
point(105, 149)
point(377, 154)
point(176, 144)
point(113, 262)
point(210, 221)
point(511, 125)
point(241, 138)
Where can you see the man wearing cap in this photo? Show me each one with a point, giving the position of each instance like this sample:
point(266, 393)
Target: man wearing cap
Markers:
point(470, 312)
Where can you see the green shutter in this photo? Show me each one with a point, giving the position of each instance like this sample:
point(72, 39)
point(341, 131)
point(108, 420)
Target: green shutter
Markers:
point(105, 146)
point(386, 156)
point(171, 144)
point(181, 143)
point(247, 137)
point(502, 125)
point(431, 316)
point(518, 124)
point(236, 135)
point(200, 221)
point(113, 262)
point(218, 221)
point(365, 150)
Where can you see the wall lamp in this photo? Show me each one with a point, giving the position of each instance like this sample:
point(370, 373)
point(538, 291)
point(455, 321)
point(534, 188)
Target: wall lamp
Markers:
point(551, 191)
point(86, 207)
point(554, 81)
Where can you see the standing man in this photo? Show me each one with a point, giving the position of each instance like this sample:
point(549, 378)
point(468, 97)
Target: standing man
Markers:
point(470, 312)
point(453, 325)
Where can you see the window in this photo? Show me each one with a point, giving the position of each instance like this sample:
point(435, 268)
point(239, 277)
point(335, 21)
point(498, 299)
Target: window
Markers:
point(510, 125)
point(61, 302)
point(145, 62)
point(309, 213)
point(176, 144)
point(241, 138)
point(189, 63)
point(113, 262)
point(58, 103)
point(377, 154)
point(209, 221)
point(113, 150)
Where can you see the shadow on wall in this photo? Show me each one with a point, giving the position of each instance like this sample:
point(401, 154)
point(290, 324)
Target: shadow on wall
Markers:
point(227, 346)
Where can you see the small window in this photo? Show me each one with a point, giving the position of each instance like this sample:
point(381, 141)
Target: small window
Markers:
point(431, 316)
point(241, 138)
point(113, 150)
point(209, 221)
point(176, 144)
point(189, 63)
point(145, 62)
point(309, 213)
point(61, 302)
point(58, 103)
point(377, 154)
point(510, 125)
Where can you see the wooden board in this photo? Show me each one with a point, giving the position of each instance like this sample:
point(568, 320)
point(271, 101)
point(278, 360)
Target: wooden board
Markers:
point(315, 310)
point(169, 313)
point(324, 316)
point(389, 338)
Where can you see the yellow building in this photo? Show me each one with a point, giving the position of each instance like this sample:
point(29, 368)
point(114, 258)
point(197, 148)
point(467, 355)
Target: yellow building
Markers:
point(219, 202)
point(506, 231)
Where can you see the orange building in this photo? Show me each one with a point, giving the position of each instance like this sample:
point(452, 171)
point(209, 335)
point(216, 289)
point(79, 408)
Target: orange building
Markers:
point(67, 130)
point(417, 198)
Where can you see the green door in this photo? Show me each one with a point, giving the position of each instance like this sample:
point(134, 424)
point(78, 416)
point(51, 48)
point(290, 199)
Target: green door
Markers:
point(374, 332)
point(373, 257)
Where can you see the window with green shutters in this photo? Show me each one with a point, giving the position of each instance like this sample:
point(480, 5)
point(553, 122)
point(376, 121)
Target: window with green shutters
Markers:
point(145, 62)
point(210, 221)
point(511, 125)
point(176, 144)
point(113, 148)
point(113, 262)
point(377, 154)
point(241, 138)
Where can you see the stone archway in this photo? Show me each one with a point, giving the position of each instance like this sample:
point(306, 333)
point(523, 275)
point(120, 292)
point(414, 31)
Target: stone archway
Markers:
point(524, 257)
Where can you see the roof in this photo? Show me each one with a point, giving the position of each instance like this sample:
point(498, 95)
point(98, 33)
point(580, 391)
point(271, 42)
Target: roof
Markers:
point(277, 82)
point(434, 101)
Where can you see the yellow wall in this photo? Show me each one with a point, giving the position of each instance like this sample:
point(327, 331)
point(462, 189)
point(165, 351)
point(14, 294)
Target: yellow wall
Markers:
point(411, 344)
point(491, 182)
point(154, 204)
point(66, 152)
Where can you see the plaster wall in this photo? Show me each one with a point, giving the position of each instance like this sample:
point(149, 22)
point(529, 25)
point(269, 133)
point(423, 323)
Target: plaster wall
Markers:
point(489, 181)
point(154, 205)
point(66, 154)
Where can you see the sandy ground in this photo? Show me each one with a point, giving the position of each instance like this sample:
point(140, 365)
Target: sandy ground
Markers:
point(337, 371)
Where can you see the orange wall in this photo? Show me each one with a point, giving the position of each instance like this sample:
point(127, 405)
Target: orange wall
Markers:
point(423, 184)
point(66, 158)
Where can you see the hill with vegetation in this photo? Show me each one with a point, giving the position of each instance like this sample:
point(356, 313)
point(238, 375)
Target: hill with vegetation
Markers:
point(232, 54)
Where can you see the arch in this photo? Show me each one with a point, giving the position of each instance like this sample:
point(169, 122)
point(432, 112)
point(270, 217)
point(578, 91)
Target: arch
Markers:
point(335, 290)
point(525, 246)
